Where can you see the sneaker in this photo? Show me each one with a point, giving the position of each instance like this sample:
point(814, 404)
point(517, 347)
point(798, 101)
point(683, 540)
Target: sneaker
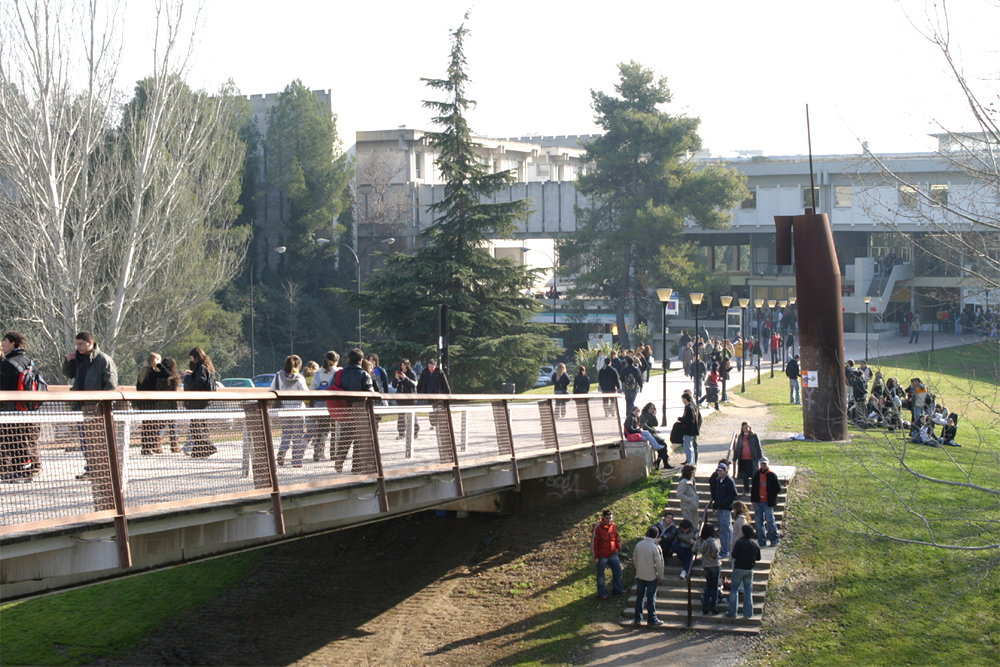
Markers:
point(85, 475)
point(603, 597)
point(655, 623)
point(637, 621)
point(728, 615)
point(684, 574)
point(775, 543)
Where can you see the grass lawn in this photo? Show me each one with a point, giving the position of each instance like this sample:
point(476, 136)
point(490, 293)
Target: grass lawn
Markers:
point(90, 621)
point(842, 595)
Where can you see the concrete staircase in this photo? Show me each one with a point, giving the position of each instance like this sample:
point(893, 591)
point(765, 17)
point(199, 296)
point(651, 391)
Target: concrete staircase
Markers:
point(672, 592)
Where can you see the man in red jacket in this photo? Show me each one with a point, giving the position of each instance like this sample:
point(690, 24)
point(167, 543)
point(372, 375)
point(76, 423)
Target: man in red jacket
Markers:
point(606, 546)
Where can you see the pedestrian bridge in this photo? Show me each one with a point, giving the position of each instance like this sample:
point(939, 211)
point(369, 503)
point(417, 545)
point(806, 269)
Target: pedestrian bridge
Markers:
point(147, 503)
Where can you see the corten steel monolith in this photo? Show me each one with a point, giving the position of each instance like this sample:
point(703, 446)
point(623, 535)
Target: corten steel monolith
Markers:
point(821, 321)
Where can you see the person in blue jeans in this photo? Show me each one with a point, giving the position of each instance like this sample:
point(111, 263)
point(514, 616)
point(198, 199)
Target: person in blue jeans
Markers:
point(764, 491)
point(606, 545)
point(648, 573)
point(745, 556)
point(725, 496)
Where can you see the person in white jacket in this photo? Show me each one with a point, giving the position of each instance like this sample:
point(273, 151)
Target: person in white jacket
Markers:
point(293, 428)
point(687, 495)
point(648, 573)
point(324, 428)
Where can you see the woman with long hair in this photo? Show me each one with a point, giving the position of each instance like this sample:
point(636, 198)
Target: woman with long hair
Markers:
point(742, 518)
point(324, 428)
point(149, 429)
point(200, 376)
point(708, 546)
point(748, 454)
point(581, 381)
point(168, 379)
point(560, 385)
point(405, 382)
point(687, 495)
point(648, 421)
point(293, 427)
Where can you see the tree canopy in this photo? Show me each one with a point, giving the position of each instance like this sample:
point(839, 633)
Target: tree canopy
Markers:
point(493, 338)
point(643, 188)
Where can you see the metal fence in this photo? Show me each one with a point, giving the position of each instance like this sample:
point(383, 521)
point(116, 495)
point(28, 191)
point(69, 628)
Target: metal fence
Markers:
point(93, 456)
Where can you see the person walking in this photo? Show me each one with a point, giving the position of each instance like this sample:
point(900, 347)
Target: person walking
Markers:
point(793, 373)
point(146, 380)
point(609, 382)
point(690, 428)
point(200, 376)
point(89, 369)
point(20, 455)
point(648, 573)
point(606, 545)
point(764, 492)
point(915, 329)
point(631, 379)
point(745, 556)
point(293, 427)
point(324, 427)
point(405, 382)
point(357, 427)
point(748, 455)
point(560, 386)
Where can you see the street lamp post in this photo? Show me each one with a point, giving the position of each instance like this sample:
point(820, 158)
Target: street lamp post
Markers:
point(795, 329)
point(868, 300)
point(758, 304)
point(726, 302)
point(771, 303)
point(664, 294)
point(743, 364)
point(784, 351)
point(387, 241)
point(253, 328)
point(696, 298)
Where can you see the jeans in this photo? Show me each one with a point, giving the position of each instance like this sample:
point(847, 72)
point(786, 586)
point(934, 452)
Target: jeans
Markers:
point(764, 517)
point(725, 531)
point(710, 597)
point(648, 437)
point(645, 589)
point(616, 575)
point(744, 579)
point(630, 400)
point(739, 363)
point(685, 555)
point(793, 391)
point(689, 449)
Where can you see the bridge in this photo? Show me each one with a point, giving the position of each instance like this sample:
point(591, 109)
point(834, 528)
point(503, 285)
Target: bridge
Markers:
point(281, 465)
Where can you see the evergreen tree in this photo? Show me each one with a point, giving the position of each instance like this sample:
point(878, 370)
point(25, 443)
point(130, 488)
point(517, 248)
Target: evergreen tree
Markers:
point(493, 339)
point(642, 189)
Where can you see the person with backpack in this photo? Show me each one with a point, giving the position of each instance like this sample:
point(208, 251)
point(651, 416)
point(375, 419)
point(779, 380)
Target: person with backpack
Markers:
point(19, 452)
point(609, 382)
point(200, 376)
point(631, 384)
point(324, 428)
point(89, 369)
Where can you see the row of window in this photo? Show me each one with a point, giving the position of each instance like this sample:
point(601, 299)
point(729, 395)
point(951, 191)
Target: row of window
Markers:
point(909, 196)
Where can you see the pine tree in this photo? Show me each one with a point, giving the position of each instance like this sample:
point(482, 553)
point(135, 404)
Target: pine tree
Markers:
point(493, 339)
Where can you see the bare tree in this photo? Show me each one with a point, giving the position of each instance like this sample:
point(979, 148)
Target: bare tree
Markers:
point(115, 218)
point(382, 205)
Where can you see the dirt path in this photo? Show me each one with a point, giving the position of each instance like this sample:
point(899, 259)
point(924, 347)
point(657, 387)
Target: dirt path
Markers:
point(422, 590)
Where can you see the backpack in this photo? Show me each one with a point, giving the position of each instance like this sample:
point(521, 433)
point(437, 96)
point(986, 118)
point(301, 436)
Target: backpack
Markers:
point(677, 433)
point(629, 382)
point(29, 379)
point(337, 408)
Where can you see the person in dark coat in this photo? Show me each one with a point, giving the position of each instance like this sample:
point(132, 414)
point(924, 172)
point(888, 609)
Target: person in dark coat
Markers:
point(581, 381)
point(609, 382)
point(356, 429)
point(748, 455)
point(745, 556)
point(649, 422)
point(764, 494)
point(690, 428)
point(89, 369)
point(434, 381)
point(200, 376)
point(405, 382)
point(20, 460)
point(560, 385)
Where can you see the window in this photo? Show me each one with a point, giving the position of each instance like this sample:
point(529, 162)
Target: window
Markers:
point(939, 194)
point(909, 196)
point(418, 162)
point(724, 258)
point(810, 198)
point(744, 258)
point(842, 196)
point(750, 202)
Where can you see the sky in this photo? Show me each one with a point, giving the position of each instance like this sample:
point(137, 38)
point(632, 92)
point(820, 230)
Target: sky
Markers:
point(746, 69)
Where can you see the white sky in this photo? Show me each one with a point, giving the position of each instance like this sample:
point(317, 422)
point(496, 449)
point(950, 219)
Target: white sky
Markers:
point(747, 69)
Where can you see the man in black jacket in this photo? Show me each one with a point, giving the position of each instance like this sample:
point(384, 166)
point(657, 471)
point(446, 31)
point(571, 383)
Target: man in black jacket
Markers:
point(609, 382)
point(433, 381)
point(725, 496)
point(745, 555)
point(793, 373)
point(764, 493)
point(357, 427)
point(19, 453)
point(91, 370)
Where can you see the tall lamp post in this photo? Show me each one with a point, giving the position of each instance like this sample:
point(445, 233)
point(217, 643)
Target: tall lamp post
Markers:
point(783, 304)
point(868, 300)
point(696, 298)
point(664, 294)
point(555, 284)
point(743, 364)
point(387, 241)
point(758, 304)
point(771, 303)
point(726, 302)
point(795, 329)
point(253, 325)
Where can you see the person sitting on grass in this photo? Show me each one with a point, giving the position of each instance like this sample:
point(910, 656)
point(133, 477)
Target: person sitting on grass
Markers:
point(948, 433)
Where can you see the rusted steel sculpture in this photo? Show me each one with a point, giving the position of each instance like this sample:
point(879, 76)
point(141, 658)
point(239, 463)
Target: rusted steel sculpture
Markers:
point(821, 319)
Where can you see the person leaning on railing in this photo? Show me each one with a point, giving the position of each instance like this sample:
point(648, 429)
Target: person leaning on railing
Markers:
point(89, 369)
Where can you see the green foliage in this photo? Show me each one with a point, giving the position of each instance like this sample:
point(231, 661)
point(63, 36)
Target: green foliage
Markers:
point(215, 330)
point(641, 334)
point(588, 357)
point(642, 189)
point(492, 337)
point(103, 621)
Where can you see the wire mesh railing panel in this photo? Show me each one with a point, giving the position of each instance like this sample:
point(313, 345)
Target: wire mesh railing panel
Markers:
point(178, 456)
point(322, 443)
point(526, 430)
point(567, 421)
point(479, 435)
point(53, 463)
point(604, 419)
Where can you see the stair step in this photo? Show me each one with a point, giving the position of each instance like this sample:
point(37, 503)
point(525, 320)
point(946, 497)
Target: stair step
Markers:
point(705, 623)
point(681, 605)
point(674, 616)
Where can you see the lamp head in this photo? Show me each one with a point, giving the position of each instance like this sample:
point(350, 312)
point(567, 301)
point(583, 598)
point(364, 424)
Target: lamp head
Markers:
point(868, 299)
point(744, 303)
point(726, 301)
point(664, 293)
point(759, 303)
point(771, 303)
point(791, 300)
point(782, 303)
point(696, 298)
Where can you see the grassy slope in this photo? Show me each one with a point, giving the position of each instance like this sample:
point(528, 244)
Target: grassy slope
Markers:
point(842, 598)
point(103, 621)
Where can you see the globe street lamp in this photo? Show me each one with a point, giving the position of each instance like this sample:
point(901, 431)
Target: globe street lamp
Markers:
point(664, 294)
point(795, 329)
point(726, 302)
point(696, 298)
point(743, 363)
point(387, 241)
point(771, 303)
point(868, 300)
point(784, 351)
point(253, 328)
point(758, 304)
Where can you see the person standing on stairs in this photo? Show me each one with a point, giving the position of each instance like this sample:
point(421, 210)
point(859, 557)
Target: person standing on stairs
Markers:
point(687, 495)
point(764, 493)
point(708, 546)
point(745, 555)
point(648, 573)
point(725, 496)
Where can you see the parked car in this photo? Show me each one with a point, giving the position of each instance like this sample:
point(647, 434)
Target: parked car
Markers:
point(544, 377)
point(263, 380)
point(237, 382)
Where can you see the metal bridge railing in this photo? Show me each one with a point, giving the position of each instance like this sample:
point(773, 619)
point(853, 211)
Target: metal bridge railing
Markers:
point(93, 456)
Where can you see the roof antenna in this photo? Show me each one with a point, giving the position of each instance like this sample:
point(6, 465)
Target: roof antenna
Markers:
point(812, 180)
